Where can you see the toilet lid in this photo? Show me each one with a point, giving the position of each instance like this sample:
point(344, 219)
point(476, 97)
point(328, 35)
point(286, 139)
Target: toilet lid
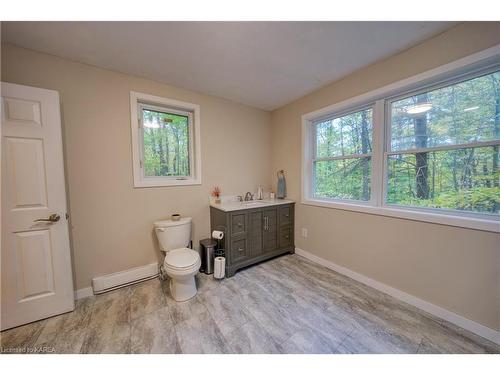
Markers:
point(181, 258)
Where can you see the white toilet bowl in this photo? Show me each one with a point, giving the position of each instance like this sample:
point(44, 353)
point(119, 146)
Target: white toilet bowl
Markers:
point(182, 265)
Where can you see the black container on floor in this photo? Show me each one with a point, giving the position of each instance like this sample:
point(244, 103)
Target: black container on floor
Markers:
point(207, 250)
point(220, 252)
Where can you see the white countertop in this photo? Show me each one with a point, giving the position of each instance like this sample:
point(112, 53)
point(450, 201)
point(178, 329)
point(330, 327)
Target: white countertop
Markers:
point(235, 206)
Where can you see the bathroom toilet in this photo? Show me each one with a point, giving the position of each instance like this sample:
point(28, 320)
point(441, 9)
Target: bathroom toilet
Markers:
point(181, 263)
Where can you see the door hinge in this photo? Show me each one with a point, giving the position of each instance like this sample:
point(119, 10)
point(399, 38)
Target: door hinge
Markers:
point(67, 216)
point(140, 163)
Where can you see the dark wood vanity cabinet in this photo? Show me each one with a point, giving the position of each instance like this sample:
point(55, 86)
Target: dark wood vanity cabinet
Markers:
point(254, 234)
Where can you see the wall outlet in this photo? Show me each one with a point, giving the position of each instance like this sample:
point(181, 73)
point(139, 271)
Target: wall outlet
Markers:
point(304, 232)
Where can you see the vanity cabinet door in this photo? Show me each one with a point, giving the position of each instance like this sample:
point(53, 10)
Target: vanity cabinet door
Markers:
point(270, 229)
point(256, 232)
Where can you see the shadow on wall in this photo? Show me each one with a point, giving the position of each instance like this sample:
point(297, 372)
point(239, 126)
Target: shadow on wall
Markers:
point(68, 200)
point(158, 252)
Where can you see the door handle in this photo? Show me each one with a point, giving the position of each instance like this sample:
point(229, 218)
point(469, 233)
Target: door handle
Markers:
point(54, 218)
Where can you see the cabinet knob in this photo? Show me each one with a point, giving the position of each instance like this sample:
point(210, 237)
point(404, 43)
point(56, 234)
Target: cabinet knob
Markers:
point(287, 237)
point(240, 249)
point(287, 215)
point(240, 224)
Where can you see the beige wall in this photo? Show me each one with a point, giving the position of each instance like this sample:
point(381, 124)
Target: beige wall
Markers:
point(454, 268)
point(112, 221)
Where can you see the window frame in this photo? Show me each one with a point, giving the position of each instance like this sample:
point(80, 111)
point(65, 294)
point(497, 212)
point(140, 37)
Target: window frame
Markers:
point(138, 101)
point(314, 158)
point(466, 68)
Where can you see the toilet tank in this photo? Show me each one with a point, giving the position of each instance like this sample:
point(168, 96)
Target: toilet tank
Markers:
point(173, 234)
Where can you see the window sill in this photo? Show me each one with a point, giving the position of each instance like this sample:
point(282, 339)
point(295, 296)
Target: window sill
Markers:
point(412, 214)
point(166, 183)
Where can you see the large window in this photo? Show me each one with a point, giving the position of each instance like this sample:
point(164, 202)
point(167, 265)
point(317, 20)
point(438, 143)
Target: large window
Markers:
point(343, 147)
point(165, 136)
point(444, 147)
point(426, 149)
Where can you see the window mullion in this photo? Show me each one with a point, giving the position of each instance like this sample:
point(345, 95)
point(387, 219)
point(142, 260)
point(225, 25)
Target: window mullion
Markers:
point(457, 146)
point(344, 157)
point(377, 190)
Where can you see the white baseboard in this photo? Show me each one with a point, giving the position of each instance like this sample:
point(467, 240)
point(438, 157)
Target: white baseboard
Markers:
point(115, 280)
point(435, 310)
point(84, 293)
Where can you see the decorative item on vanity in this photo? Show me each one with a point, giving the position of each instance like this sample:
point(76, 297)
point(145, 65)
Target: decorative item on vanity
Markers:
point(216, 194)
point(260, 193)
point(181, 263)
point(272, 195)
point(281, 191)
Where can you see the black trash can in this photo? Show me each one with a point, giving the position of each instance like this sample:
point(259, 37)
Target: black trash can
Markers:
point(207, 249)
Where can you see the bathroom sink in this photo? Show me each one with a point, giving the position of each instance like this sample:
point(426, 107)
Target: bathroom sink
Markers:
point(253, 203)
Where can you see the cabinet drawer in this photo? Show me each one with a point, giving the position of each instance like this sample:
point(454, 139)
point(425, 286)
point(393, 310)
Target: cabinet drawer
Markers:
point(285, 214)
point(285, 236)
point(238, 224)
point(238, 250)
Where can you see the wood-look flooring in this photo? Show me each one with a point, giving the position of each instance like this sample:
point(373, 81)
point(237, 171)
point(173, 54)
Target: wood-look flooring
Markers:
point(285, 305)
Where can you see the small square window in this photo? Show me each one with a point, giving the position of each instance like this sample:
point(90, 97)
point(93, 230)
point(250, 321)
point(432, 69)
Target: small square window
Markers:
point(166, 145)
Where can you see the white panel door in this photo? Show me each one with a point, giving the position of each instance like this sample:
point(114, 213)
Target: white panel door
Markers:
point(36, 276)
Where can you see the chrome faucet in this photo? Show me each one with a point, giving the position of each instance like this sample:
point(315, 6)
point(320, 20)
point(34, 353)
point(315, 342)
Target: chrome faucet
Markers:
point(248, 196)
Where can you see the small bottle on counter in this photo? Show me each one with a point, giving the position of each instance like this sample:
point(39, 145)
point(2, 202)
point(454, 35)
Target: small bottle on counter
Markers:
point(260, 193)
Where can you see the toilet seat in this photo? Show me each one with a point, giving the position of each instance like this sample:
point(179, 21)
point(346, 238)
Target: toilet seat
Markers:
point(182, 259)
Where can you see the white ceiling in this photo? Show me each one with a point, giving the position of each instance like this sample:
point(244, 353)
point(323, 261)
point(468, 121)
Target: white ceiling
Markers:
point(262, 64)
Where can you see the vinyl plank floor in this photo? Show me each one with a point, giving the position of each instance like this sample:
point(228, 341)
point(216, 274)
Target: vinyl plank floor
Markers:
point(251, 338)
point(200, 335)
point(154, 333)
point(285, 305)
point(146, 297)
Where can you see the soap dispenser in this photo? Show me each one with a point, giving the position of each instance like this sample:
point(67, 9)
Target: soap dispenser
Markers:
point(260, 193)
